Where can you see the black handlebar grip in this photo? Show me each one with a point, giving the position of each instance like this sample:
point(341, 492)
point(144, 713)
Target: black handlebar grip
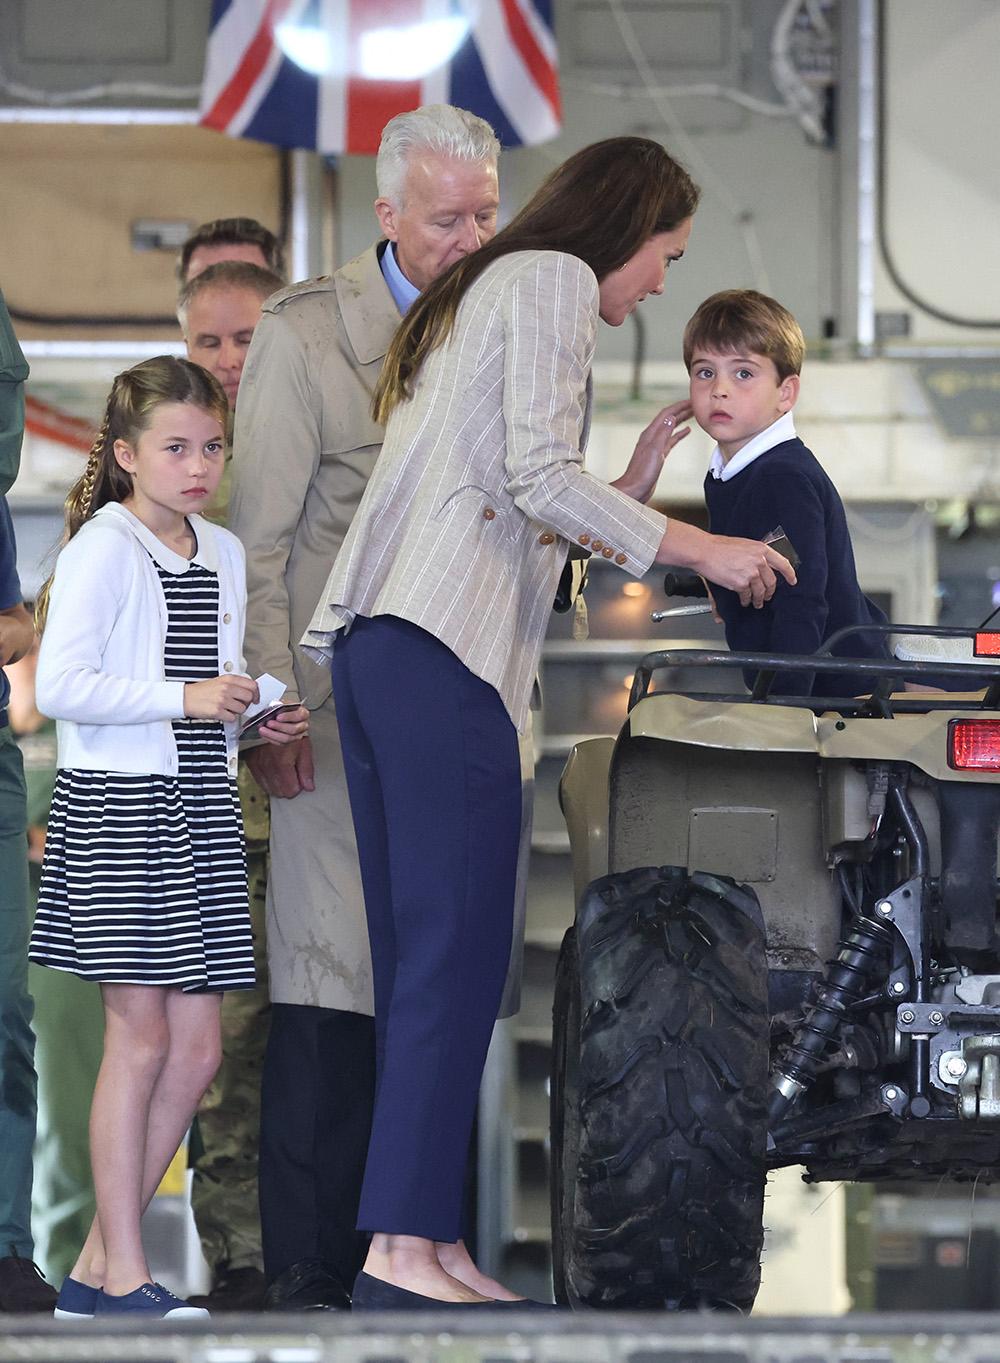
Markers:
point(684, 584)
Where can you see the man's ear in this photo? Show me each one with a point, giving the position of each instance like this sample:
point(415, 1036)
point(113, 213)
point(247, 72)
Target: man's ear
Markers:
point(124, 454)
point(386, 215)
point(788, 392)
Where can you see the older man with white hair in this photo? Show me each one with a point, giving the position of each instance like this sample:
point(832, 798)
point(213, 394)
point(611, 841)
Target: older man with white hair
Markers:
point(305, 444)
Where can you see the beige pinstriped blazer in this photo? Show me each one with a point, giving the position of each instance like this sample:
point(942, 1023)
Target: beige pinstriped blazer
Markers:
point(480, 486)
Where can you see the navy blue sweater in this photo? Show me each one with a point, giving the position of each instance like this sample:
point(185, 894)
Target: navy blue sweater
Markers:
point(787, 487)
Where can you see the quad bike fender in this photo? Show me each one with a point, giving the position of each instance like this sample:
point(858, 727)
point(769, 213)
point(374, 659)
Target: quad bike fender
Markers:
point(583, 798)
point(755, 814)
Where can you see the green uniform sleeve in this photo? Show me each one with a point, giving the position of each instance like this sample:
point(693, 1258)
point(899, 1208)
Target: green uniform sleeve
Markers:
point(13, 372)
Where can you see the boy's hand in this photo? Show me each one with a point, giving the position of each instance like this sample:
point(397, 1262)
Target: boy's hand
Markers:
point(657, 440)
point(224, 697)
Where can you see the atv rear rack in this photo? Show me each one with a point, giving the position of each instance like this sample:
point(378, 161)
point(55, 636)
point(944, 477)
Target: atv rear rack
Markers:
point(889, 675)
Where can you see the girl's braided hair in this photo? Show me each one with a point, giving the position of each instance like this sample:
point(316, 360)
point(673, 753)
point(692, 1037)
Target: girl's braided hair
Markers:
point(134, 397)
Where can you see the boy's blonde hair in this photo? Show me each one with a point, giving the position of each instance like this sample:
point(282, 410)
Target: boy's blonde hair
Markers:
point(738, 321)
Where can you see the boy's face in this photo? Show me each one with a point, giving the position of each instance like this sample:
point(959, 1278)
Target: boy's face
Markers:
point(735, 397)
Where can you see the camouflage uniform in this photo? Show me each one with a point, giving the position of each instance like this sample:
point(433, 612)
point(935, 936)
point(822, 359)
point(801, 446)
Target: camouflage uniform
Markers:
point(225, 1139)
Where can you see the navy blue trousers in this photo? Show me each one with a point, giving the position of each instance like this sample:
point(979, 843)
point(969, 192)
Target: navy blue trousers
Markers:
point(435, 784)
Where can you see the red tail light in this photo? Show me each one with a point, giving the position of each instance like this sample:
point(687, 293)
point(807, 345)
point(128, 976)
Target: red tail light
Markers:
point(974, 744)
point(987, 645)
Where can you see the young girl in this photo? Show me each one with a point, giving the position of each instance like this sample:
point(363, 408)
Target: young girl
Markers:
point(144, 884)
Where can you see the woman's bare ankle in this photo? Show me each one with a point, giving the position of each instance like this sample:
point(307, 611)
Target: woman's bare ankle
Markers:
point(456, 1260)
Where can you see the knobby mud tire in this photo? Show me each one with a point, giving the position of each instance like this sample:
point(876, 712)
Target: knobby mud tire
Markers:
point(659, 1113)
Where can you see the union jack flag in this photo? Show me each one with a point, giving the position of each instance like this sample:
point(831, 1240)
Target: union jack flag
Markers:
point(328, 74)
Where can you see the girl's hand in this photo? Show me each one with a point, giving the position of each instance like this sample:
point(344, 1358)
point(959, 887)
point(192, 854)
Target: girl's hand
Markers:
point(224, 697)
point(657, 440)
point(286, 727)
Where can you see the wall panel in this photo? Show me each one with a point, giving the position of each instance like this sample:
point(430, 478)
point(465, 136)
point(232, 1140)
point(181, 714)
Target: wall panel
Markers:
point(68, 194)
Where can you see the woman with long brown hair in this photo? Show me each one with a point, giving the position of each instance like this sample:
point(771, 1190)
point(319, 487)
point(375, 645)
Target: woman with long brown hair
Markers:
point(438, 603)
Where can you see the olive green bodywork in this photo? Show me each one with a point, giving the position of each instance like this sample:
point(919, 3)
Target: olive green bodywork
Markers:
point(773, 796)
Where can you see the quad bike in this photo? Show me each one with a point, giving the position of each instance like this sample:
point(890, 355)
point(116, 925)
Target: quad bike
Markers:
point(786, 952)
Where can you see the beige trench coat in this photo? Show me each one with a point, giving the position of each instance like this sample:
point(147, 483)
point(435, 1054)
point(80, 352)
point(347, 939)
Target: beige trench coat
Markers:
point(304, 448)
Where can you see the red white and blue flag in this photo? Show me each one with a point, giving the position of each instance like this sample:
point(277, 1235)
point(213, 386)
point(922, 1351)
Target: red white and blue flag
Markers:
point(328, 74)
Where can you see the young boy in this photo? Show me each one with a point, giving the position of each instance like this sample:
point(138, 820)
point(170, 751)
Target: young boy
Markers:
point(744, 352)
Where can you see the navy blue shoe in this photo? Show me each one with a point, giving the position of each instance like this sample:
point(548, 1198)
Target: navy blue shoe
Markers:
point(76, 1301)
point(151, 1299)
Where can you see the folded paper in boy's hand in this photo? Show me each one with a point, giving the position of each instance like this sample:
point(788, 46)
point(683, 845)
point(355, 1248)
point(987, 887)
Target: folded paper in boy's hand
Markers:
point(779, 541)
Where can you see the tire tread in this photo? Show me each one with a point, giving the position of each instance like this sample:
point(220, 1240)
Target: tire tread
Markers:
point(659, 1095)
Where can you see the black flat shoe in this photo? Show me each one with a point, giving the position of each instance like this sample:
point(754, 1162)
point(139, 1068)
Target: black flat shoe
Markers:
point(371, 1294)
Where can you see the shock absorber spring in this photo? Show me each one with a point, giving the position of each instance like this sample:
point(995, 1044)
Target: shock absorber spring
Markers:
point(864, 951)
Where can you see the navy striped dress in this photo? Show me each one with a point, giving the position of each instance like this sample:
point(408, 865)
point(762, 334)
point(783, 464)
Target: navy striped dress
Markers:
point(144, 878)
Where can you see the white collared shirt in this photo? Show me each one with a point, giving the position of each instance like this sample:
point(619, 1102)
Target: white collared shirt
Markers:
point(403, 292)
point(776, 434)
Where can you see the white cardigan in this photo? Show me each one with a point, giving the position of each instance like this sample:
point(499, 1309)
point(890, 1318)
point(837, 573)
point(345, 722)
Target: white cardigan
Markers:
point(100, 667)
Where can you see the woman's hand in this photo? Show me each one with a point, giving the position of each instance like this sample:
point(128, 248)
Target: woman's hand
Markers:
point(224, 697)
point(657, 440)
point(746, 567)
point(287, 727)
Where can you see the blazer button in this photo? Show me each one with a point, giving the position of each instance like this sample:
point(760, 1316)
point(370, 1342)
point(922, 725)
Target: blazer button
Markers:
point(489, 513)
point(584, 539)
point(226, 618)
point(597, 546)
point(227, 667)
point(607, 551)
point(546, 538)
point(621, 558)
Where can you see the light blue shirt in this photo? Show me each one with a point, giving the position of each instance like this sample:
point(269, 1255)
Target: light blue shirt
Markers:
point(403, 292)
point(776, 434)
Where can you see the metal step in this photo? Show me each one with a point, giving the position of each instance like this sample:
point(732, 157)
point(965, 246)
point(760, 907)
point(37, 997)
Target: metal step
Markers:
point(523, 1337)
